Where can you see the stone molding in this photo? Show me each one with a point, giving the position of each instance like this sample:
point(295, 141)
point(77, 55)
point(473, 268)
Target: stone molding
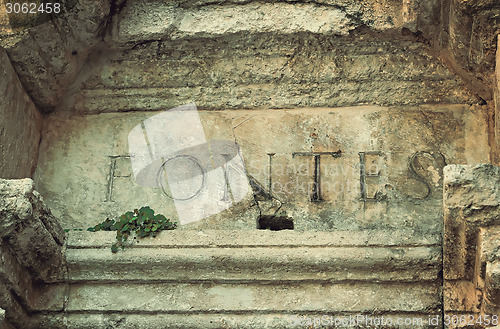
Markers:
point(471, 260)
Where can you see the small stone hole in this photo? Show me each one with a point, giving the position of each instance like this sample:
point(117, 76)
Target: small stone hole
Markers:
point(275, 223)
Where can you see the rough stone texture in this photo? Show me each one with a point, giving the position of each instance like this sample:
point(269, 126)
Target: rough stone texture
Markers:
point(74, 169)
point(292, 297)
point(471, 238)
point(243, 70)
point(15, 313)
point(30, 230)
point(244, 279)
point(20, 125)
point(217, 321)
point(31, 254)
point(54, 58)
point(471, 200)
point(232, 255)
point(48, 56)
point(496, 84)
point(255, 57)
point(4, 324)
point(470, 33)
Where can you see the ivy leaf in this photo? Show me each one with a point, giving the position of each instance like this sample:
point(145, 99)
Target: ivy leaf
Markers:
point(143, 222)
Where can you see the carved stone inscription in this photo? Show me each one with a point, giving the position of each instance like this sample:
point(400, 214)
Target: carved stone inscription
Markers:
point(326, 169)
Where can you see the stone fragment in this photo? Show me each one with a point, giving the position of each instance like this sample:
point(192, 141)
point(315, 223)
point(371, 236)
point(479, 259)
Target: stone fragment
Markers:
point(20, 125)
point(31, 231)
point(84, 182)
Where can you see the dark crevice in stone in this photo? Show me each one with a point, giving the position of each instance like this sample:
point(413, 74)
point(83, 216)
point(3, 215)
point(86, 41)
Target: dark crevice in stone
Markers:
point(275, 223)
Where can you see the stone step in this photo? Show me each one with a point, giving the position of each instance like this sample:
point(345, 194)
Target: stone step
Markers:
point(244, 279)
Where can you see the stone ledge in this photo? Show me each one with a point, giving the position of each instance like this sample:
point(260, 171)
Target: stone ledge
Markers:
point(208, 321)
point(31, 232)
point(258, 238)
point(256, 264)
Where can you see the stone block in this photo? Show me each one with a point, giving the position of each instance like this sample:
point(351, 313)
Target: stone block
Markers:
point(14, 276)
point(251, 297)
point(243, 321)
point(146, 20)
point(492, 282)
point(471, 201)
point(461, 296)
point(153, 20)
point(259, 71)
point(496, 85)
point(26, 57)
point(4, 324)
point(30, 230)
point(85, 175)
point(20, 125)
point(295, 263)
point(286, 18)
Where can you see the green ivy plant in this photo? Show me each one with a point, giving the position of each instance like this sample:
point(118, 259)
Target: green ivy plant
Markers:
point(143, 222)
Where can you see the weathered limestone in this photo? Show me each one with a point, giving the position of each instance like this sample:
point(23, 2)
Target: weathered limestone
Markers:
point(188, 19)
point(202, 279)
point(54, 58)
point(403, 149)
point(29, 229)
point(496, 88)
point(264, 255)
point(265, 70)
point(4, 324)
point(362, 185)
point(471, 239)
point(470, 34)
point(48, 56)
point(244, 321)
point(20, 125)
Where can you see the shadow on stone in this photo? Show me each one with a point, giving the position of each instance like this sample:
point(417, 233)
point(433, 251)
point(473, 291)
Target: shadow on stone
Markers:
point(275, 223)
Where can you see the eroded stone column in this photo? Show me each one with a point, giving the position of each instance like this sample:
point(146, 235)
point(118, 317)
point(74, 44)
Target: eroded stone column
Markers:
point(497, 98)
point(471, 240)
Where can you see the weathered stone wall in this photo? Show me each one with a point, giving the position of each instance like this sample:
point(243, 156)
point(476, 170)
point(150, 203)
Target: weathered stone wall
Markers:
point(62, 51)
point(275, 77)
point(85, 168)
point(248, 69)
point(471, 239)
point(469, 32)
point(20, 125)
